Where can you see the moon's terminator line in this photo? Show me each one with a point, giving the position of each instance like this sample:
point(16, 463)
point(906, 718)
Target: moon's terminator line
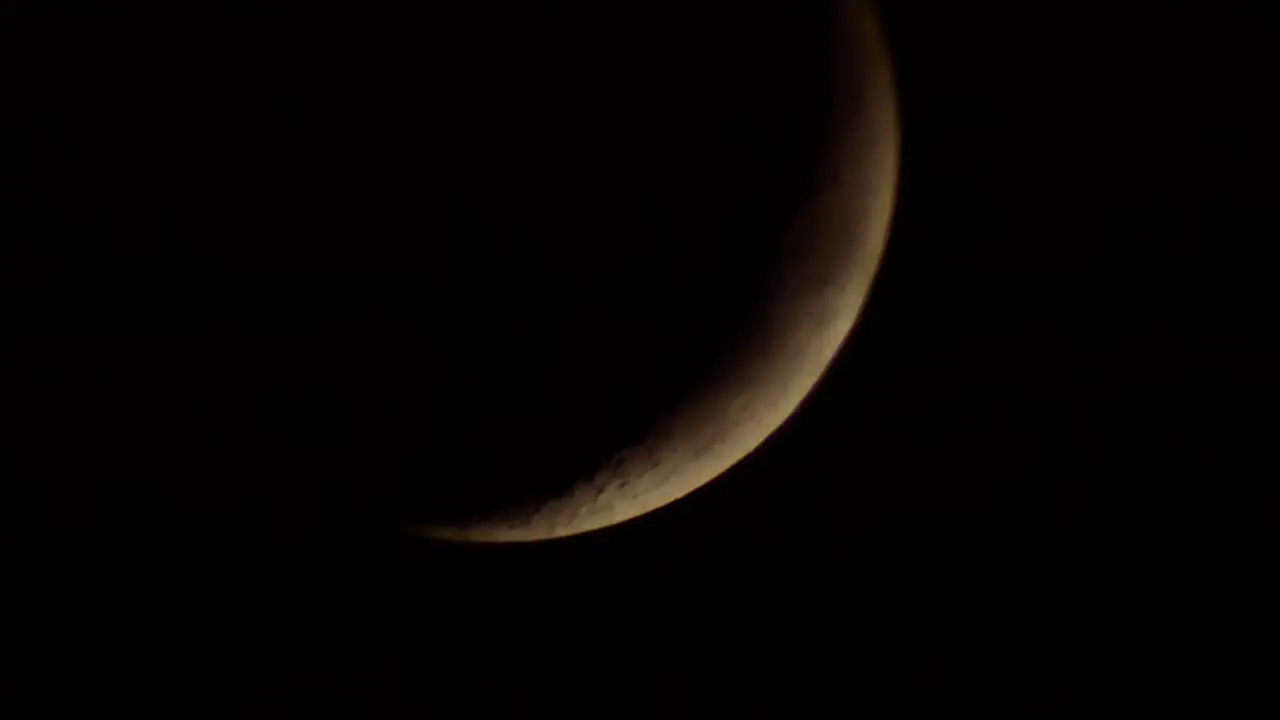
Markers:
point(817, 293)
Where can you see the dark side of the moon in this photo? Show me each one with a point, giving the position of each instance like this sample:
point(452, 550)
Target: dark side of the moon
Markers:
point(319, 266)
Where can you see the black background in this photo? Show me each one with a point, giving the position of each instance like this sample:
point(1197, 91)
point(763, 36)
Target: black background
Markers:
point(1034, 458)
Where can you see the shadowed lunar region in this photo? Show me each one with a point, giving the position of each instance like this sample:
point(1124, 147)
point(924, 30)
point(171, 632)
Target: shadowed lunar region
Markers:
point(804, 273)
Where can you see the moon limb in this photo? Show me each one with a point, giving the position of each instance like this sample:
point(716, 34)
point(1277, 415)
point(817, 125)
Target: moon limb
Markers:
point(840, 237)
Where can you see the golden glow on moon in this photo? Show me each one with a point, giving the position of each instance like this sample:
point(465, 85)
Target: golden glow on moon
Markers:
point(838, 241)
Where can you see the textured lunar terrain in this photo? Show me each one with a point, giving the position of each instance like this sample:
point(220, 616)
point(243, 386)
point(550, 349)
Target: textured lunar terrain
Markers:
point(832, 252)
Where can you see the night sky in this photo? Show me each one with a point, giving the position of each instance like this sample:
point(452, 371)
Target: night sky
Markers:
point(1039, 443)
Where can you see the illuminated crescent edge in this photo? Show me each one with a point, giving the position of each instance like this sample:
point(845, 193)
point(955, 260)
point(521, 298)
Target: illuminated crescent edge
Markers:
point(816, 302)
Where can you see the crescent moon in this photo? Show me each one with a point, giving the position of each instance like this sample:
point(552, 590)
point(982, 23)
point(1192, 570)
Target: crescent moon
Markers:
point(819, 290)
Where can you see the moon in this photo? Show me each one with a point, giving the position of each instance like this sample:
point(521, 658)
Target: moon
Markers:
point(817, 290)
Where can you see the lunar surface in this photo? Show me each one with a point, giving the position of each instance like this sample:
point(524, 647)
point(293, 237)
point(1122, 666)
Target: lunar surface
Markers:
point(815, 293)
